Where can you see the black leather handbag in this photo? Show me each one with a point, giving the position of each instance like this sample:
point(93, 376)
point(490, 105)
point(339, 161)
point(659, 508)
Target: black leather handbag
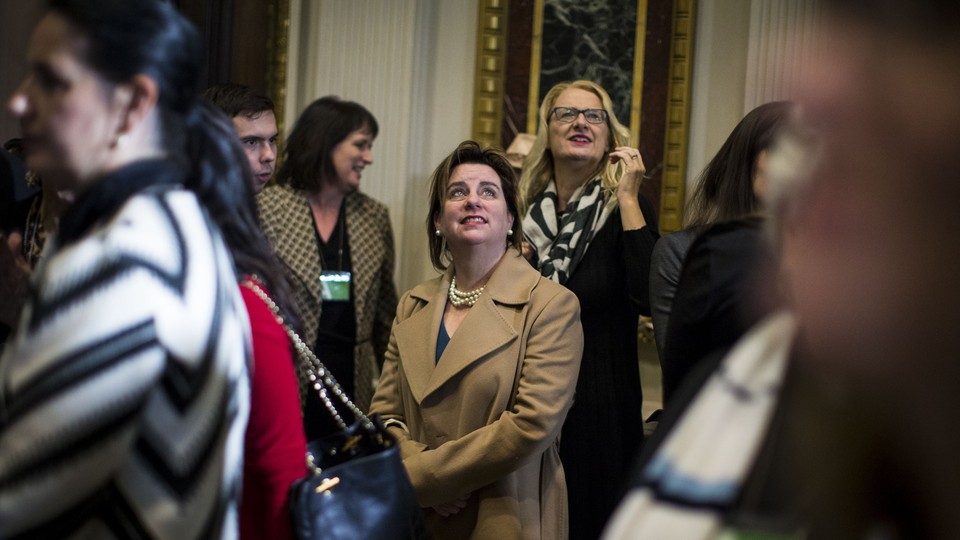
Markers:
point(357, 487)
point(359, 490)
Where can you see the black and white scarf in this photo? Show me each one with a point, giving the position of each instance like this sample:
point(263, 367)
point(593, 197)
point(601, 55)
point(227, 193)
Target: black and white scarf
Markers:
point(559, 242)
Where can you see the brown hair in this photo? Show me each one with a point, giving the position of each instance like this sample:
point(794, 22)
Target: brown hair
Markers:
point(471, 152)
point(237, 99)
point(324, 124)
point(725, 187)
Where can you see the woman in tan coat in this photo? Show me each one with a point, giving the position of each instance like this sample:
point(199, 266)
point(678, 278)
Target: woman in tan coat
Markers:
point(481, 365)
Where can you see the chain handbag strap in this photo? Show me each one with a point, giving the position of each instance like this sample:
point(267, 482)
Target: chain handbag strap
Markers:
point(318, 375)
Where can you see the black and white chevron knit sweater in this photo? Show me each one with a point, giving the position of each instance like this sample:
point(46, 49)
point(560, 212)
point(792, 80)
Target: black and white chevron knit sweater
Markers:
point(124, 395)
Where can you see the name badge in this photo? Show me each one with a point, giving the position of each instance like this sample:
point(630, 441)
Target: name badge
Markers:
point(335, 286)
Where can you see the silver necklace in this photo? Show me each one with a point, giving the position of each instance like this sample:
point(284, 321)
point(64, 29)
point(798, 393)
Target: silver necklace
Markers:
point(461, 298)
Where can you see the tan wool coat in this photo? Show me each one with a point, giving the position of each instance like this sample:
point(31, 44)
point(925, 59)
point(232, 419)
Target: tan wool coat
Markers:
point(288, 223)
point(484, 422)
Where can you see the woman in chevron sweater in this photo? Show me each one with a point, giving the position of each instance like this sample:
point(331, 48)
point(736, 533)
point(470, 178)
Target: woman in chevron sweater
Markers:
point(124, 394)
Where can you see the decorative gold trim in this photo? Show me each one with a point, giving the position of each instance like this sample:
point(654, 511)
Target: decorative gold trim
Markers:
point(536, 41)
point(488, 93)
point(676, 136)
point(490, 71)
point(636, 101)
point(277, 43)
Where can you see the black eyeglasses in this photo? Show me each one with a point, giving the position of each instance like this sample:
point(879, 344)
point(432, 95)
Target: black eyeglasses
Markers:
point(569, 114)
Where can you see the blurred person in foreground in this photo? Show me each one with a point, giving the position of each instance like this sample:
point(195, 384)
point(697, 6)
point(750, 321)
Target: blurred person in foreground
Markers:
point(589, 229)
point(858, 436)
point(256, 124)
point(874, 271)
point(124, 393)
point(482, 365)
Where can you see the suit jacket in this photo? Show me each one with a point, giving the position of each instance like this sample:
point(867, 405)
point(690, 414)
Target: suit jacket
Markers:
point(666, 263)
point(714, 303)
point(288, 223)
point(484, 422)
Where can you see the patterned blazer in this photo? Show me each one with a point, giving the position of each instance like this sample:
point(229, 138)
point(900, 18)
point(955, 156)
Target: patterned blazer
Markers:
point(288, 223)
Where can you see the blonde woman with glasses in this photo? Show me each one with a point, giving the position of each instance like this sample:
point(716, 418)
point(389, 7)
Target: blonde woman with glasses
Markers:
point(588, 228)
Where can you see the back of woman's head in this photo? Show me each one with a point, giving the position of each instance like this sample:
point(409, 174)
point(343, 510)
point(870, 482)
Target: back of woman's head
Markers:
point(472, 152)
point(322, 125)
point(725, 188)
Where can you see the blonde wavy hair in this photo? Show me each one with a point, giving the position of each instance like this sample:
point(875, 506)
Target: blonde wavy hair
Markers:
point(538, 166)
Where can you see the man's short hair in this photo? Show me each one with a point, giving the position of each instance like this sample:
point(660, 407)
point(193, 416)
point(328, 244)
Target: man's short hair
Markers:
point(238, 99)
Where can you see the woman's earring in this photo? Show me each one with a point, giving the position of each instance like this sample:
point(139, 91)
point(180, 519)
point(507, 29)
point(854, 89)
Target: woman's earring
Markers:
point(510, 232)
point(436, 232)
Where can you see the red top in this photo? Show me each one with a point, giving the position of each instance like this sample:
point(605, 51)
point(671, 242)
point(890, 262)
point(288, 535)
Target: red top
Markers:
point(275, 445)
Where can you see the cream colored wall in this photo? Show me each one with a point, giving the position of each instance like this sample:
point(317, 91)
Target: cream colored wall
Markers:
point(747, 52)
point(784, 35)
point(411, 63)
point(719, 79)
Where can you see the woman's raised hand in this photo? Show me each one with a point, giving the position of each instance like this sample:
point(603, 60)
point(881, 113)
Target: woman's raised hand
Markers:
point(628, 190)
point(634, 170)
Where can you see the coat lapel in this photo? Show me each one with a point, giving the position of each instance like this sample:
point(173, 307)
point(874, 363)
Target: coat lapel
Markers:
point(485, 330)
point(417, 334)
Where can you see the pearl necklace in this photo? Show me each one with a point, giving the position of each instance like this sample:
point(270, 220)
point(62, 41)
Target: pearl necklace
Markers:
point(461, 298)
